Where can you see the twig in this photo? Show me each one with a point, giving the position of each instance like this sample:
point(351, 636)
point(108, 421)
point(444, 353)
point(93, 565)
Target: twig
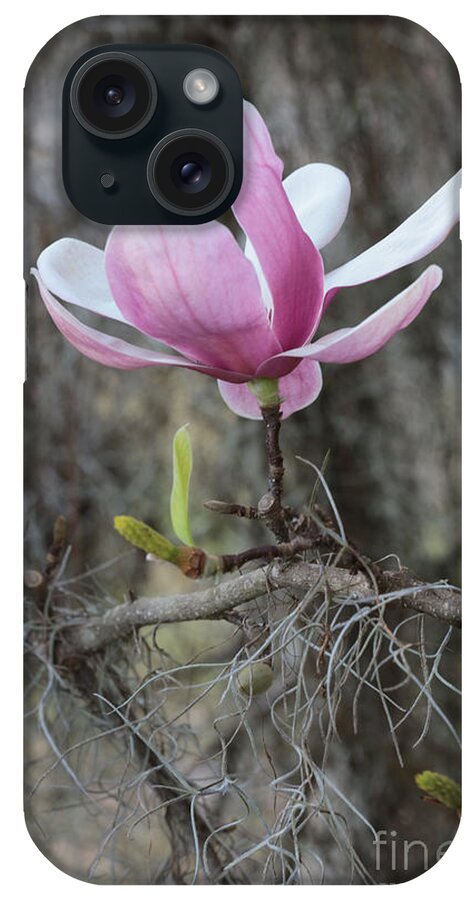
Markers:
point(231, 509)
point(38, 582)
point(230, 562)
point(272, 420)
point(270, 507)
point(196, 563)
point(56, 549)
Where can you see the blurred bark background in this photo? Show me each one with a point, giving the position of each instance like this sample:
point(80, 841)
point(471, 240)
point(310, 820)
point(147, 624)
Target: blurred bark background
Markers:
point(379, 98)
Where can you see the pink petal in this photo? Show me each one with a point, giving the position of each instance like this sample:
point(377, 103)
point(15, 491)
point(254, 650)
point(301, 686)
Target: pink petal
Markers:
point(192, 288)
point(413, 239)
point(76, 272)
point(351, 344)
point(112, 351)
point(290, 264)
point(298, 390)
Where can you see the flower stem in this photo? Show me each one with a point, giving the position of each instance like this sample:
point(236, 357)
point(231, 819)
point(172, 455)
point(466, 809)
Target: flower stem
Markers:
point(272, 421)
point(266, 390)
point(270, 508)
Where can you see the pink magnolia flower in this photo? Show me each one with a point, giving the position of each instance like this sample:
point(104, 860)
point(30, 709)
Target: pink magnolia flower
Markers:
point(240, 315)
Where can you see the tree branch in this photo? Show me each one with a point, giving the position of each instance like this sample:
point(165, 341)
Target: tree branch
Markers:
point(270, 506)
point(232, 561)
point(440, 601)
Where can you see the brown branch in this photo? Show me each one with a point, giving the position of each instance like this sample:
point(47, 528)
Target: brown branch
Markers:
point(233, 561)
point(270, 507)
point(196, 563)
point(91, 635)
point(231, 509)
point(272, 421)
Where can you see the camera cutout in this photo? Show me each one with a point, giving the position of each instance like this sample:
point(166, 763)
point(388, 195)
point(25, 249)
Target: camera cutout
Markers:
point(166, 120)
point(113, 95)
point(190, 171)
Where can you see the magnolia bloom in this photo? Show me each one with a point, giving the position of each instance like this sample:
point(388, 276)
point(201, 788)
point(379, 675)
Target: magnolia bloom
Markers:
point(242, 315)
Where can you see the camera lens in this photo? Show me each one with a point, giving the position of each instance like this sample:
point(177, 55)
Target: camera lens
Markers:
point(113, 95)
point(190, 172)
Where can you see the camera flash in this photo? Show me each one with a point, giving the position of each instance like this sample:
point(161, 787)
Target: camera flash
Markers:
point(201, 86)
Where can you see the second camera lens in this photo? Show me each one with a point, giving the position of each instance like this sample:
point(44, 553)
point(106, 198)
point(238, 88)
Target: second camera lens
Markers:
point(190, 172)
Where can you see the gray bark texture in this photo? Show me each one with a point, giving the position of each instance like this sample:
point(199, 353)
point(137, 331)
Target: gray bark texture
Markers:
point(443, 602)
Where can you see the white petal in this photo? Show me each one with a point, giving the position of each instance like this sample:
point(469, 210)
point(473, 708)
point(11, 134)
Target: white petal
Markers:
point(412, 240)
point(75, 272)
point(320, 196)
point(265, 291)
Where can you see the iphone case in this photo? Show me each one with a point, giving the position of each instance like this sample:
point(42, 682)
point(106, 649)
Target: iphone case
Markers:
point(242, 478)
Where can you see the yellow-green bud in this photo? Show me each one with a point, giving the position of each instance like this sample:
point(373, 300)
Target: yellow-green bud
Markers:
point(440, 788)
point(145, 538)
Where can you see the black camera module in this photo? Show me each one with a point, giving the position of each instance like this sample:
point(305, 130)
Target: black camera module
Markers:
point(113, 95)
point(190, 172)
point(145, 140)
